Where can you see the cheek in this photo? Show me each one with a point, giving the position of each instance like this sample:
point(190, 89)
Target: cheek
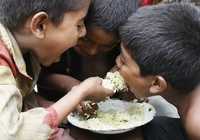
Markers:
point(141, 88)
point(135, 84)
point(71, 36)
point(124, 71)
point(71, 33)
point(89, 48)
point(84, 47)
point(83, 44)
point(127, 76)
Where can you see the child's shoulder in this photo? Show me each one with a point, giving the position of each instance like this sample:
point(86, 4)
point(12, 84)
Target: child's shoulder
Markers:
point(6, 59)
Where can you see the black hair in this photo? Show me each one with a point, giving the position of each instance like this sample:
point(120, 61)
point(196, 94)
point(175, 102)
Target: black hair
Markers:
point(110, 14)
point(14, 13)
point(165, 40)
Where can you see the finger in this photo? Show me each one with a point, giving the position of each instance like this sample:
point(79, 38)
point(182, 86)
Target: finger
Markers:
point(79, 109)
point(99, 80)
point(108, 91)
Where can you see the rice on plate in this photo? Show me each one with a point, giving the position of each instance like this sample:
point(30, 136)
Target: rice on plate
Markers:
point(115, 116)
point(112, 115)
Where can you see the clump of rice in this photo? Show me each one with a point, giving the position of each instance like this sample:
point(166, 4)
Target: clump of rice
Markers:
point(115, 82)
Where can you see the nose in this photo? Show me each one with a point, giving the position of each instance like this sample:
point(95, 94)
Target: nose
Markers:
point(93, 49)
point(117, 61)
point(82, 32)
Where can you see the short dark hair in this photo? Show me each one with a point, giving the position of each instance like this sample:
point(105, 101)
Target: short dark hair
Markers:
point(165, 40)
point(14, 13)
point(110, 14)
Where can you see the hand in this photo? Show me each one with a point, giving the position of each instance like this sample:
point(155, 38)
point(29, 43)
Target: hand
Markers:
point(93, 90)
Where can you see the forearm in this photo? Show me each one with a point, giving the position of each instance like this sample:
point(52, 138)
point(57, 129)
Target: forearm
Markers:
point(68, 103)
point(91, 88)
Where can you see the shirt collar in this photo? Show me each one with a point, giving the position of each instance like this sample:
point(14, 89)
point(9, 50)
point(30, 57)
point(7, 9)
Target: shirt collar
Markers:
point(16, 54)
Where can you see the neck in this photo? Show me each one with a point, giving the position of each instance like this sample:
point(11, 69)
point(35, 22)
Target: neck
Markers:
point(179, 100)
point(24, 41)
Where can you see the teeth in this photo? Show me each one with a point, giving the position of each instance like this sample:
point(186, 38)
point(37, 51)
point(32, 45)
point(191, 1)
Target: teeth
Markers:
point(114, 81)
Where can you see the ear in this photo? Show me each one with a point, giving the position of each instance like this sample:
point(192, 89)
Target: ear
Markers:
point(38, 24)
point(158, 85)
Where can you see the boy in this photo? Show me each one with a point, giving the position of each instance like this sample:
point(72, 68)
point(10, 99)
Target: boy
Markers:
point(163, 59)
point(95, 53)
point(30, 32)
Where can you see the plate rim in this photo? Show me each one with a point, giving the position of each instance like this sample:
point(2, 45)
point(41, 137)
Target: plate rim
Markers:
point(115, 131)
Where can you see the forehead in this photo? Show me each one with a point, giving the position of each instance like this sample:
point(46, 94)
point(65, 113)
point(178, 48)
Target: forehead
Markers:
point(128, 57)
point(100, 35)
point(77, 14)
point(79, 4)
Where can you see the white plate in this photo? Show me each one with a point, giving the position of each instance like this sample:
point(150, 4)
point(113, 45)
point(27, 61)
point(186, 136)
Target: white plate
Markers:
point(123, 113)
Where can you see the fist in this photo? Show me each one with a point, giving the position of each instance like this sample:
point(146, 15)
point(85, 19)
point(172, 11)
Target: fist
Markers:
point(93, 90)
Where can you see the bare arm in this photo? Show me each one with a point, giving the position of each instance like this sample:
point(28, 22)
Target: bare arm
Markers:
point(89, 89)
point(192, 119)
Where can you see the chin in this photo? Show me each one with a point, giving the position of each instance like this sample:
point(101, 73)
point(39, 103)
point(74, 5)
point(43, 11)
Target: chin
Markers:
point(46, 63)
point(86, 54)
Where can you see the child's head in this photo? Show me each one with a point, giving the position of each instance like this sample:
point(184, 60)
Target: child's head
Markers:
point(47, 28)
point(102, 22)
point(161, 49)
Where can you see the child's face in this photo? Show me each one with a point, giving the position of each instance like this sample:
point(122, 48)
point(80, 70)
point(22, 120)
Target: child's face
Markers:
point(96, 41)
point(130, 71)
point(62, 37)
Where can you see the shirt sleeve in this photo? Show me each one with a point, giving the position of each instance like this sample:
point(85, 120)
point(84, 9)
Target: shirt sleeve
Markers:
point(37, 123)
